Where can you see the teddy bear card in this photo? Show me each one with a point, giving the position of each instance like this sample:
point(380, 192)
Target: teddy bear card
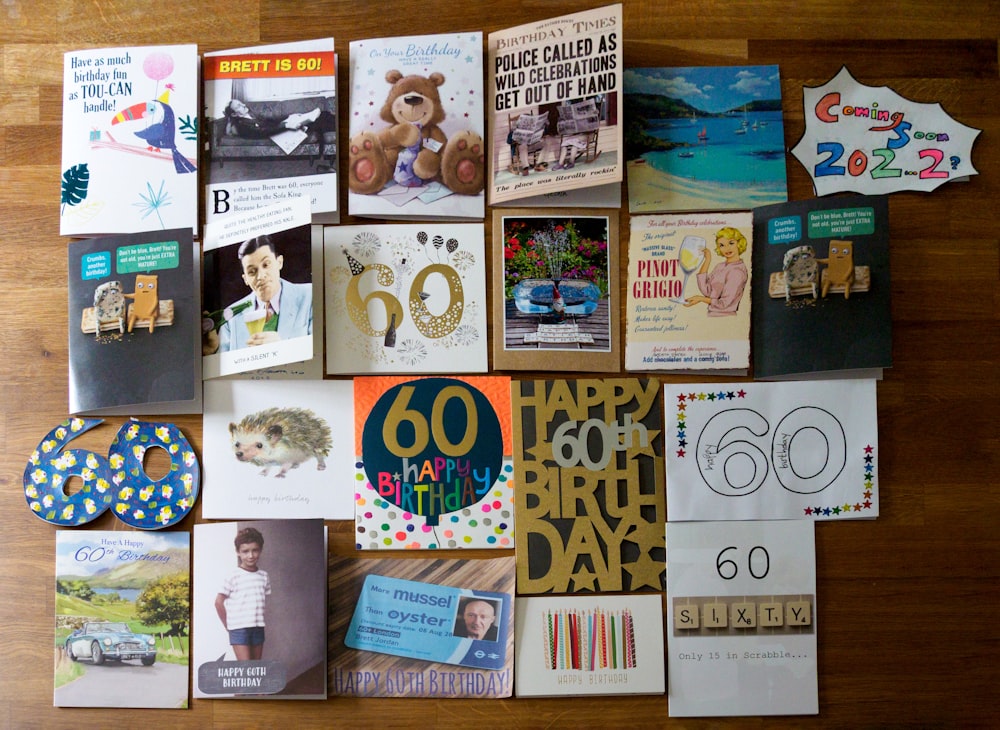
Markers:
point(821, 288)
point(556, 121)
point(416, 148)
point(271, 113)
point(273, 450)
point(134, 335)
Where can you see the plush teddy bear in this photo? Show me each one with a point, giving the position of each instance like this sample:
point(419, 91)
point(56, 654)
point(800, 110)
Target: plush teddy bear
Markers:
point(414, 150)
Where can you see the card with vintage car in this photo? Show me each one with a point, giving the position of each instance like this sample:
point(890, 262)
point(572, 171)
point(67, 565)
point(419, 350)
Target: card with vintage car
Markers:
point(122, 619)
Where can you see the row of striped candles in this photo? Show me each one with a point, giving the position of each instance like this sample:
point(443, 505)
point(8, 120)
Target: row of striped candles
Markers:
point(593, 639)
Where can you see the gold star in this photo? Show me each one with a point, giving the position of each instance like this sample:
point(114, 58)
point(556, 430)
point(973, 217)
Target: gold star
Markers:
point(645, 572)
point(583, 580)
point(646, 535)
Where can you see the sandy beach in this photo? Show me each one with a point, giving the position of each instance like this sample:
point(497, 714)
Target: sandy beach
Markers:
point(652, 191)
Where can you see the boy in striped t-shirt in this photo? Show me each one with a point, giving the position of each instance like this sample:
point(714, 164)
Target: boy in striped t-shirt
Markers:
point(240, 603)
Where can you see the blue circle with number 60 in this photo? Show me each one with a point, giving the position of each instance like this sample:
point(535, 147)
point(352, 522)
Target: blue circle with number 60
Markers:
point(432, 446)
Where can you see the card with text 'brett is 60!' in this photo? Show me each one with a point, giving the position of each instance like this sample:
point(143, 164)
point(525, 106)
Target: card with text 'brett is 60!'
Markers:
point(759, 451)
point(741, 618)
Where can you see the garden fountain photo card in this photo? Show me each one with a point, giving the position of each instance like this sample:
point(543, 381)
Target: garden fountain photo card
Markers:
point(555, 277)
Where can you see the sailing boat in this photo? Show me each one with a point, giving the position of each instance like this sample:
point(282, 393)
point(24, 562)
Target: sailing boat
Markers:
point(703, 136)
point(742, 129)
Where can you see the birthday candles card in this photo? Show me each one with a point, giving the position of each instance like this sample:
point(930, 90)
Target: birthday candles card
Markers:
point(576, 645)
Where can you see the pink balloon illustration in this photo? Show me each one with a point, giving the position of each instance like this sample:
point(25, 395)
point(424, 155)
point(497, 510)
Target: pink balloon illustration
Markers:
point(158, 65)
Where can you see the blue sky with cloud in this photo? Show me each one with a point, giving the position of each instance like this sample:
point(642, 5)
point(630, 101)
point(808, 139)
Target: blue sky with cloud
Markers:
point(709, 88)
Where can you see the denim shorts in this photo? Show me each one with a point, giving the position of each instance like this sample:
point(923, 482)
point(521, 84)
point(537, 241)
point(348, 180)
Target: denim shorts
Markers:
point(250, 636)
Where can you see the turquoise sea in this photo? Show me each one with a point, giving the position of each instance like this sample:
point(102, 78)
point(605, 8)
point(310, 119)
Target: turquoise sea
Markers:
point(723, 155)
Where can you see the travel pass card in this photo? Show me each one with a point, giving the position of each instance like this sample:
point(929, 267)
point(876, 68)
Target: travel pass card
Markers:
point(432, 622)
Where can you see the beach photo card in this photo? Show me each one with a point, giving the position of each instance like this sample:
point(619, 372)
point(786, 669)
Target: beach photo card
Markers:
point(704, 138)
point(555, 284)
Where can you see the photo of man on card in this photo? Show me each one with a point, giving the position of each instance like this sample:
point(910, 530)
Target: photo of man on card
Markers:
point(477, 619)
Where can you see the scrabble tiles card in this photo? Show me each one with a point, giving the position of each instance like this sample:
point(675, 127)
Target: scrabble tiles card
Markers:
point(771, 451)
point(741, 618)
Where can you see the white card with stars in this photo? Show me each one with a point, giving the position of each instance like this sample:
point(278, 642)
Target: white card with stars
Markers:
point(758, 451)
point(741, 618)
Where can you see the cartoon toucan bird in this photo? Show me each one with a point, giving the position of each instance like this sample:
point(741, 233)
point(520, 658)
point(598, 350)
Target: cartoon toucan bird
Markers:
point(159, 133)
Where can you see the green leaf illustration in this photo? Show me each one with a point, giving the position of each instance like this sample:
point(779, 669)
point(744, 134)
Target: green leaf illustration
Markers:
point(74, 184)
point(189, 127)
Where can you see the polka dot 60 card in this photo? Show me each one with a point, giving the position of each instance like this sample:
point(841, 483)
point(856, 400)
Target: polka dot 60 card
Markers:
point(434, 466)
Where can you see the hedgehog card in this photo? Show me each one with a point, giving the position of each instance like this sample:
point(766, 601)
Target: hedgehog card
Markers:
point(273, 450)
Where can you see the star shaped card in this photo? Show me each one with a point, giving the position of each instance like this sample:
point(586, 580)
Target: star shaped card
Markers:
point(871, 140)
point(778, 451)
point(588, 462)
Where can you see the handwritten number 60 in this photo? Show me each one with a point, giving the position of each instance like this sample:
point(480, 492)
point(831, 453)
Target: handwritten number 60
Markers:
point(728, 569)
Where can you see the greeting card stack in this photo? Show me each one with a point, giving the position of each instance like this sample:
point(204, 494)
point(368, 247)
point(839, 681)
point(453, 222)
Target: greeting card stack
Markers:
point(704, 138)
point(272, 115)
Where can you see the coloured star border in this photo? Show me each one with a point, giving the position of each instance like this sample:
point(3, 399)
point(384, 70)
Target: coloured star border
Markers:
point(683, 399)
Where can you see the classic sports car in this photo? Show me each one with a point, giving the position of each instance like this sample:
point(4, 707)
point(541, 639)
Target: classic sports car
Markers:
point(102, 640)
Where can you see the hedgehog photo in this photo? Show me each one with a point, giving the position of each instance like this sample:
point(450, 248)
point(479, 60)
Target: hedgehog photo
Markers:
point(283, 437)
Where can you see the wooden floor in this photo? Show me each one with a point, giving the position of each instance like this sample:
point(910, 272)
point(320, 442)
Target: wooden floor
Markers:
point(908, 605)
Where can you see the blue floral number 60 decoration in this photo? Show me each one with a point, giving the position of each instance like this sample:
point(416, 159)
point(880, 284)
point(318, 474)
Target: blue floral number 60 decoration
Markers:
point(117, 480)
